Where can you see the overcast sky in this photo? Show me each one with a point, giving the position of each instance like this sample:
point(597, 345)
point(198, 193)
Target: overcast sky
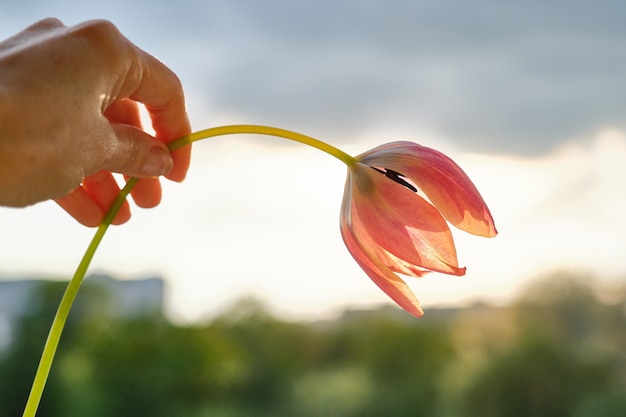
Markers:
point(528, 96)
point(492, 76)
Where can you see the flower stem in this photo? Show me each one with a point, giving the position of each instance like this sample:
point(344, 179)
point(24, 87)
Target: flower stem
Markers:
point(67, 300)
point(262, 130)
point(52, 342)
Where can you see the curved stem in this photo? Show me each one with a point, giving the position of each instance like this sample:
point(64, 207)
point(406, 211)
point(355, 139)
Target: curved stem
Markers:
point(262, 130)
point(52, 342)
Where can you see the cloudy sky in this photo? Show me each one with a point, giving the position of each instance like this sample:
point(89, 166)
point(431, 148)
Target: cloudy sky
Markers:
point(529, 98)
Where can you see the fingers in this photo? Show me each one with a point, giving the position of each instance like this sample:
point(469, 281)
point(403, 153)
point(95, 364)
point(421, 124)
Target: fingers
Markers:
point(138, 76)
point(89, 203)
point(168, 115)
point(135, 153)
point(130, 151)
point(159, 89)
point(124, 111)
point(150, 82)
point(101, 80)
point(182, 158)
point(147, 192)
point(127, 112)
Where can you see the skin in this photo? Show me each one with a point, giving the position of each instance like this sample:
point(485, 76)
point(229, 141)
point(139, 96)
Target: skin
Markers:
point(69, 119)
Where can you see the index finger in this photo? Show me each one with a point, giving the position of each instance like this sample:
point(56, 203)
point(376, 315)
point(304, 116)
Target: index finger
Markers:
point(150, 82)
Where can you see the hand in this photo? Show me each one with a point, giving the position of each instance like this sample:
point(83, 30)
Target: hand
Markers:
point(69, 118)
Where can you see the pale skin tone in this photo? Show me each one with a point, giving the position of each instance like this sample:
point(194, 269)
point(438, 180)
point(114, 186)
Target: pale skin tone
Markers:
point(69, 119)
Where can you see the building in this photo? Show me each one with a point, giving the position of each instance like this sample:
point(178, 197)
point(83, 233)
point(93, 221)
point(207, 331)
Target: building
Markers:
point(115, 298)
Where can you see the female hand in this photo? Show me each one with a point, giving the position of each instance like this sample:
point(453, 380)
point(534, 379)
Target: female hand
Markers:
point(69, 118)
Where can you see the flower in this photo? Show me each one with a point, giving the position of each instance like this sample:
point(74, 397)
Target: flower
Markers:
point(397, 199)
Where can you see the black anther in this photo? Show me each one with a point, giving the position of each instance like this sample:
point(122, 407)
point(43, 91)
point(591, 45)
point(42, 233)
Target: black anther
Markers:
point(397, 177)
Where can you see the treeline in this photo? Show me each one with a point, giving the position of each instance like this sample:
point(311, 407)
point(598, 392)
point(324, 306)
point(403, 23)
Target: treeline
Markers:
point(560, 350)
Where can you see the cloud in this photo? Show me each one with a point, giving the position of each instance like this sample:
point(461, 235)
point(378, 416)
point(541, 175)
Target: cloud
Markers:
point(493, 77)
point(562, 210)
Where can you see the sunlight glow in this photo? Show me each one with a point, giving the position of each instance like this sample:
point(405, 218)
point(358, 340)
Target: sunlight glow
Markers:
point(262, 219)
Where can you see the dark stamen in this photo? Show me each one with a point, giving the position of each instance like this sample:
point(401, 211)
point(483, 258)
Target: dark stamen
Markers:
point(397, 177)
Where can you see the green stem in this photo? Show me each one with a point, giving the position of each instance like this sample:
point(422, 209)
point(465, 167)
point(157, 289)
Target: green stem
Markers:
point(63, 311)
point(50, 347)
point(262, 130)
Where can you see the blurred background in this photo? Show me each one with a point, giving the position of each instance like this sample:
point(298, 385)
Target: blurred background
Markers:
point(244, 295)
point(556, 351)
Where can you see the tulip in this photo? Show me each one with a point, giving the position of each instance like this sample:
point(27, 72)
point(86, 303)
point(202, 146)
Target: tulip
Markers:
point(392, 221)
point(392, 217)
point(397, 199)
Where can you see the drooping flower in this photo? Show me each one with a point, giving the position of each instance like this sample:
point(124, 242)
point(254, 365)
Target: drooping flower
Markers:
point(387, 226)
point(397, 199)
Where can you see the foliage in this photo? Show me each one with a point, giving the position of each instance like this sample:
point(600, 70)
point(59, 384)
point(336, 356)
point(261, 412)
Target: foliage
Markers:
point(557, 351)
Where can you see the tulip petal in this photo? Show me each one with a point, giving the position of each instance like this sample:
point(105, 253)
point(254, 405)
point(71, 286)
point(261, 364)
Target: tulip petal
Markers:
point(401, 222)
point(398, 265)
point(445, 184)
point(391, 261)
point(380, 274)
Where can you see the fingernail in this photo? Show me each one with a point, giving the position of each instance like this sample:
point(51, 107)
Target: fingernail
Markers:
point(157, 163)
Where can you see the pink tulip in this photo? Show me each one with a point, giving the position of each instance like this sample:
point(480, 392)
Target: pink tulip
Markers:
point(392, 219)
point(386, 224)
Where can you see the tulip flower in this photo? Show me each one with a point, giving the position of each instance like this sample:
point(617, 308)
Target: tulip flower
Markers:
point(396, 202)
point(392, 221)
point(390, 228)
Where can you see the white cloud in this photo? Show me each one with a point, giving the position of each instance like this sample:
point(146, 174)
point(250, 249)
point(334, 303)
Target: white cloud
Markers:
point(563, 210)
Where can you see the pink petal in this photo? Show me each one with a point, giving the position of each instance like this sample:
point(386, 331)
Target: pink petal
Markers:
point(388, 259)
point(394, 263)
point(443, 181)
point(401, 222)
point(382, 276)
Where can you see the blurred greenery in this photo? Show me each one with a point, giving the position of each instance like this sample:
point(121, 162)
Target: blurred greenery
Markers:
point(559, 350)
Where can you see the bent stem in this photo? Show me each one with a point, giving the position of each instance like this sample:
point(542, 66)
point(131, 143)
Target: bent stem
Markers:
point(52, 342)
point(262, 130)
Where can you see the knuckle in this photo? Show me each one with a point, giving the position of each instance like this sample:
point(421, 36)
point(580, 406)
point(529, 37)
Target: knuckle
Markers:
point(101, 47)
point(97, 28)
point(47, 23)
point(101, 35)
point(123, 150)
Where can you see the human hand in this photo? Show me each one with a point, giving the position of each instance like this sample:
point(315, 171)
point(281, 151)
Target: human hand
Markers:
point(69, 118)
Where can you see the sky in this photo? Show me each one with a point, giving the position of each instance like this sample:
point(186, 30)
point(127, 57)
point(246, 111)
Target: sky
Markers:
point(528, 97)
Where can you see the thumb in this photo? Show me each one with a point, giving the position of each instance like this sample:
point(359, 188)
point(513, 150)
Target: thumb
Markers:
point(137, 154)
